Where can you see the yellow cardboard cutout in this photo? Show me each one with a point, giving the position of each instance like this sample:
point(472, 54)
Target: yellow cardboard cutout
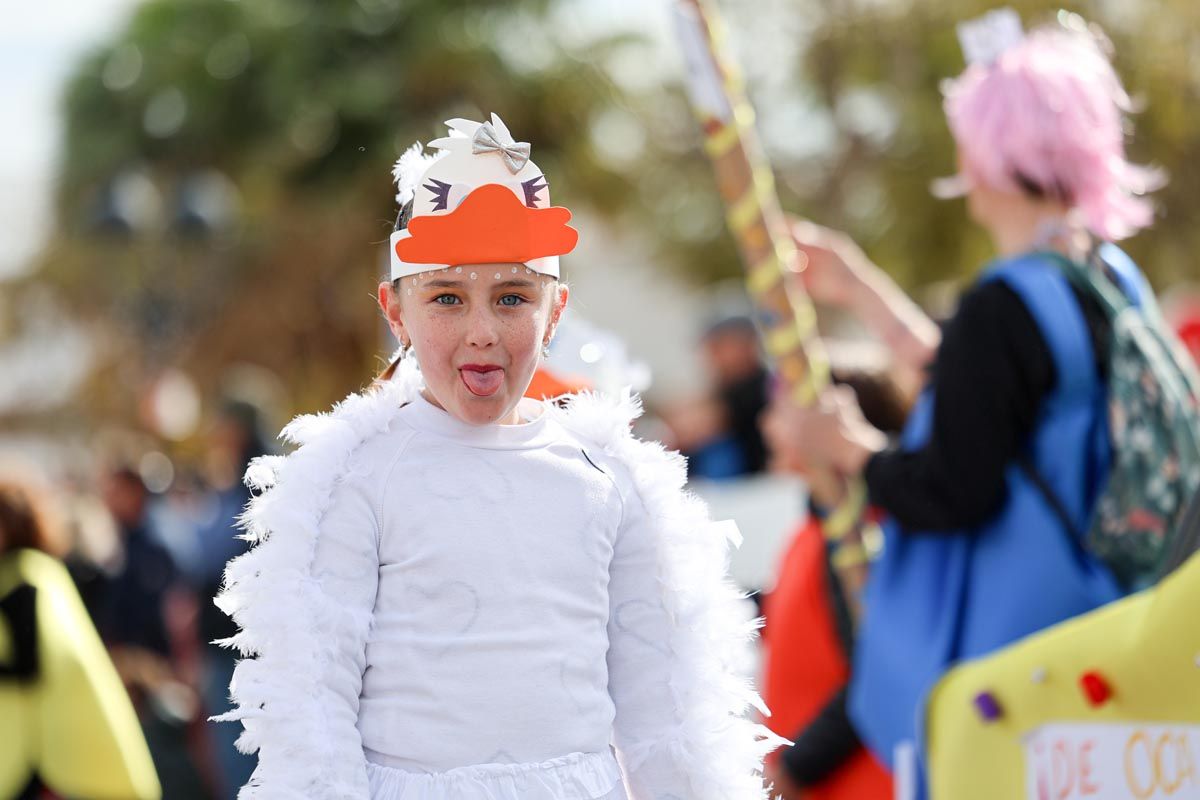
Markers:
point(74, 724)
point(1051, 740)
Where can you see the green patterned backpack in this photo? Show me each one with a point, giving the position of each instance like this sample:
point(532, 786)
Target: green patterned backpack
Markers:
point(1154, 420)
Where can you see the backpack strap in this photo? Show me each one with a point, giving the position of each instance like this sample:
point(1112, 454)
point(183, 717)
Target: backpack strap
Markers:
point(1094, 279)
point(1125, 273)
point(1041, 285)
point(1030, 471)
point(1044, 288)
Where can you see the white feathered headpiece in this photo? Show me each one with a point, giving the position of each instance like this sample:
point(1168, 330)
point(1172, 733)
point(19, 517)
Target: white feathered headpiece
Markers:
point(479, 200)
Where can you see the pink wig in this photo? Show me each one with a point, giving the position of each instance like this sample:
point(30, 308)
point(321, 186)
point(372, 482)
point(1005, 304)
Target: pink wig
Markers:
point(1046, 117)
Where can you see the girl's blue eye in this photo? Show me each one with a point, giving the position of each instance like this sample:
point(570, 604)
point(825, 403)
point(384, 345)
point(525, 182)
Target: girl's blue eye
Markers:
point(446, 299)
point(511, 300)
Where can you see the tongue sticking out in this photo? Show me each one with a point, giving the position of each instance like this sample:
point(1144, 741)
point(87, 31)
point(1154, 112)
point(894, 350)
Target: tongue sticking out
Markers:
point(482, 383)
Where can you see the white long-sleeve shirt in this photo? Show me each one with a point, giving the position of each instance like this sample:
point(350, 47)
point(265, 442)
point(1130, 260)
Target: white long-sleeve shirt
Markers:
point(512, 583)
point(486, 595)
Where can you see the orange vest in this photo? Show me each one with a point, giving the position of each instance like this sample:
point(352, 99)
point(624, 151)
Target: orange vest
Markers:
point(805, 664)
point(547, 385)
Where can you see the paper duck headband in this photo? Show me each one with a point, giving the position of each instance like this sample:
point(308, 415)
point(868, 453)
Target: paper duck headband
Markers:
point(480, 200)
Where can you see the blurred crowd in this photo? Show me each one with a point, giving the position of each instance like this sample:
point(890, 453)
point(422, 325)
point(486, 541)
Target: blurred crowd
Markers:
point(960, 423)
point(146, 565)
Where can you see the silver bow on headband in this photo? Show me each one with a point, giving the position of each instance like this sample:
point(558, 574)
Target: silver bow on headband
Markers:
point(489, 140)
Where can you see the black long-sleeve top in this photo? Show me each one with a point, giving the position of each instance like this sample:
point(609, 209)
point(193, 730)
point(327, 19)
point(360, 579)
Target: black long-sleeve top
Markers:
point(992, 372)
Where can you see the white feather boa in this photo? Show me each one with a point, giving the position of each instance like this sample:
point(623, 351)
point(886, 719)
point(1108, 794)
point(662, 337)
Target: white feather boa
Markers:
point(289, 624)
point(715, 744)
point(287, 621)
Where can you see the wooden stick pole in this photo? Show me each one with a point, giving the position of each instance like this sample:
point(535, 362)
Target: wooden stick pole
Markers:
point(785, 313)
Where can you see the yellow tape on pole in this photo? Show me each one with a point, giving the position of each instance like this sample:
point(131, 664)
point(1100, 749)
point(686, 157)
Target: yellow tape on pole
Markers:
point(744, 180)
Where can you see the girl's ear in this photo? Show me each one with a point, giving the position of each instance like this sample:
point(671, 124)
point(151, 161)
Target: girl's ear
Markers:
point(389, 304)
point(557, 306)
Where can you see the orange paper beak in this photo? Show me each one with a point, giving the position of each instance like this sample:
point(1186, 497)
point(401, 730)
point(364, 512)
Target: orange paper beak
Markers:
point(490, 226)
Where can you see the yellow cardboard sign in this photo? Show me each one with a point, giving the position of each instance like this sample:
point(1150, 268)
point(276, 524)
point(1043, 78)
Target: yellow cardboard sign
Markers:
point(1053, 739)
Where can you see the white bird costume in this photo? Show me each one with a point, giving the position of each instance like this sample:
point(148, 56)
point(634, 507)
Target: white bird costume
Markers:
point(437, 610)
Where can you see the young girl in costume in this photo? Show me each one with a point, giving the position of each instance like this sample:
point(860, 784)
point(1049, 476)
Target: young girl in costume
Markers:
point(458, 593)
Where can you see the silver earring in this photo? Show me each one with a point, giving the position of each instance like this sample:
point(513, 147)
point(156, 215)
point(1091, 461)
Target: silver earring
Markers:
point(545, 350)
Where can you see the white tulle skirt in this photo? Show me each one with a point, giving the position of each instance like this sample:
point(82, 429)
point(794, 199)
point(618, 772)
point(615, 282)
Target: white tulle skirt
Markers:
point(579, 776)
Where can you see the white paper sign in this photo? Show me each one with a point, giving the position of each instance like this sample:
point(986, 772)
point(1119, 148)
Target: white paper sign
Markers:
point(704, 83)
point(1113, 762)
point(985, 38)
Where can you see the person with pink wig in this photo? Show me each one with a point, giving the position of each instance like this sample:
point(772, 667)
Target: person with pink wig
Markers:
point(1007, 450)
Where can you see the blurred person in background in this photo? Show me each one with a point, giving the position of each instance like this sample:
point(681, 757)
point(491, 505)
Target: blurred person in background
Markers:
point(718, 430)
point(808, 633)
point(129, 605)
point(233, 441)
point(67, 725)
point(1010, 441)
point(146, 615)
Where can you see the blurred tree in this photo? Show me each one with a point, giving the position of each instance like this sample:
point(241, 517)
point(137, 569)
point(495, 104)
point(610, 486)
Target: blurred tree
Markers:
point(224, 190)
point(871, 71)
